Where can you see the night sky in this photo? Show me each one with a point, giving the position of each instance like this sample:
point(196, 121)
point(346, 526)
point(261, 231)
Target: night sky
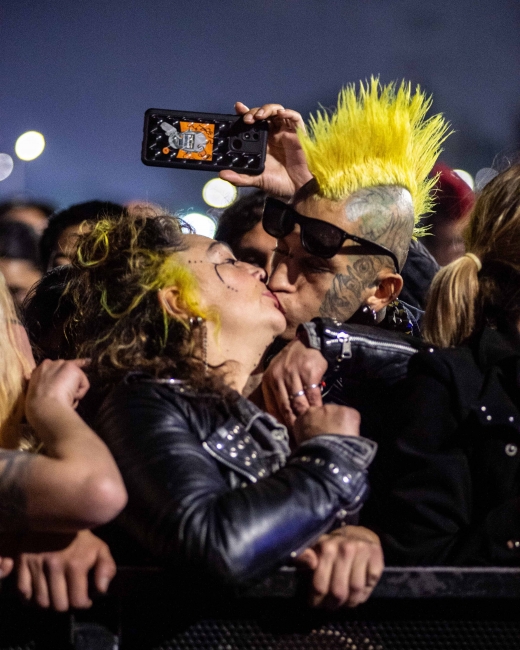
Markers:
point(83, 73)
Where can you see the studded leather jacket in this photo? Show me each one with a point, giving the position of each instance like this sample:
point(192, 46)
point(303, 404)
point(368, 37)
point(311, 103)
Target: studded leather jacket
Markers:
point(213, 485)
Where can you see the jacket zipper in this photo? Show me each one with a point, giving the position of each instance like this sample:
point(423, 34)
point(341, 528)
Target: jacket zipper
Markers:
point(347, 340)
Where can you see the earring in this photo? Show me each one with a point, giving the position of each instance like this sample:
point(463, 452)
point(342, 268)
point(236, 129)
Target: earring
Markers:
point(365, 315)
point(197, 321)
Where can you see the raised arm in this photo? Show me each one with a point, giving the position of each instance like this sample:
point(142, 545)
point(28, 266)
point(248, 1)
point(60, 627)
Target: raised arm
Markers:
point(76, 484)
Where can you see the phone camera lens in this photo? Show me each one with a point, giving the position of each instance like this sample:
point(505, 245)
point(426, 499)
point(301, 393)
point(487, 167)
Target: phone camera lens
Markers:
point(256, 136)
point(237, 144)
point(247, 136)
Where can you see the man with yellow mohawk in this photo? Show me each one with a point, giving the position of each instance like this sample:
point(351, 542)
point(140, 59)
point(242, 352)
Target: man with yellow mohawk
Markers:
point(344, 201)
point(345, 197)
point(363, 169)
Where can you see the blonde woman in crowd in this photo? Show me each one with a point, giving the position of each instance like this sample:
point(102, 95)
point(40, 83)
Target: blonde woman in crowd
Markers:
point(47, 497)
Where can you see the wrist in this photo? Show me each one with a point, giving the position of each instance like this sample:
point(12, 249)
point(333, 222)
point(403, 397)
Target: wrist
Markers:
point(52, 418)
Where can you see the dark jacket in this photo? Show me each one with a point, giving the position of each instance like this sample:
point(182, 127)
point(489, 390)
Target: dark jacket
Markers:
point(418, 272)
point(364, 362)
point(212, 485)
point(447, 485)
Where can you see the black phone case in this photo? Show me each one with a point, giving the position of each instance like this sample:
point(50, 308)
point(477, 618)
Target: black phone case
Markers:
point(206, 141)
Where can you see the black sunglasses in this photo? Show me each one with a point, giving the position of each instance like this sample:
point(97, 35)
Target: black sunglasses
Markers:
point(318, 237)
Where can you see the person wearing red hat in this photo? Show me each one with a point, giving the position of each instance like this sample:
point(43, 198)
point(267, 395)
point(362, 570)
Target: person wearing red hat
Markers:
point(454, 201)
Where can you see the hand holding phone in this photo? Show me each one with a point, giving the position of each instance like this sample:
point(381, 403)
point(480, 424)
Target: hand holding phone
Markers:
point(285, 168)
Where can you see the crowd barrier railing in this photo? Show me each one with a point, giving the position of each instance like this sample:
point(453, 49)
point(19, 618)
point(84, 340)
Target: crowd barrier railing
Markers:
point(412, 608)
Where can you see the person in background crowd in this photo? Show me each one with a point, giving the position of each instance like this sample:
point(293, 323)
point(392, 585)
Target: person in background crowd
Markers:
point(177, 324)
point(418, 272)
point(60, 236)
point(240, 226)
point(451, 490)
point(49, 499)
point(453, 202)
point(44, 314)
point(19, 259)
point(30, 213)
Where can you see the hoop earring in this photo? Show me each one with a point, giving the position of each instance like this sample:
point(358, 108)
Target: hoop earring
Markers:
point(198, 321)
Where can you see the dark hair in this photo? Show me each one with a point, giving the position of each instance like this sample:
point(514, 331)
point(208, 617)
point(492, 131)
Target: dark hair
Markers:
point(118, 322)
point(73, 216)
point(45, 311)
point(18, 241)
point(7, 206)
point(240, 218)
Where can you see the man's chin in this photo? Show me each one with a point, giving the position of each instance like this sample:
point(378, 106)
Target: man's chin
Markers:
point(289, 333)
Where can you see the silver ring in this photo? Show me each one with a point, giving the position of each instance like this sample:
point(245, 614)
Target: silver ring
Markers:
point(311, 386)
point(298, 394)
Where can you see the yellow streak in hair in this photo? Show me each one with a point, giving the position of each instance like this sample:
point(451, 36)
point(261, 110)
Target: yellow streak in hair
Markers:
point(380, 136)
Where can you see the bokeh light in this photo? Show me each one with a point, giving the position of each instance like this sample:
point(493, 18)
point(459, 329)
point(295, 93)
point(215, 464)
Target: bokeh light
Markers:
point(29, 145)
point(466, 177)
point(201, 223)
point(219, 193)
point(6, 166)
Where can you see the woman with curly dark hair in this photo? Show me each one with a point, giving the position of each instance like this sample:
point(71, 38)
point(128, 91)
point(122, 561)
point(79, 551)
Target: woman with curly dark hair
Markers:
point(178, 324)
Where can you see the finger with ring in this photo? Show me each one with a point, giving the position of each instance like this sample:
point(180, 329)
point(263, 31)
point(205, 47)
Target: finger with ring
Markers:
point(311, 386)
point(300, 393)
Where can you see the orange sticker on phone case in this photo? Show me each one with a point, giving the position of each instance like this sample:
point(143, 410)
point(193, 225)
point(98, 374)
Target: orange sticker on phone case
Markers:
point(196, 141)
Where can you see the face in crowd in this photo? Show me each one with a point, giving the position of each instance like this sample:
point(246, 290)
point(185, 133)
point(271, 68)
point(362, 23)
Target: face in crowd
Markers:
point(308, 285)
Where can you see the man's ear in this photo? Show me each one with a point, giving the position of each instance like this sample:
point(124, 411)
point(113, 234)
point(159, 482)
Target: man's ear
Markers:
point(387, 290)
point(170, 302)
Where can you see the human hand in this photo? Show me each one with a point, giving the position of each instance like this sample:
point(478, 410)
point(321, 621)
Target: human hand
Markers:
point(292, 382)
point(6, 566)
point(285, 164)
point(52, 383)
point(59, 579)
point(347, 565)
point(329, 418)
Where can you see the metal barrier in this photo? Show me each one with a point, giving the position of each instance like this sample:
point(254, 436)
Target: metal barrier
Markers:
point(150, 609)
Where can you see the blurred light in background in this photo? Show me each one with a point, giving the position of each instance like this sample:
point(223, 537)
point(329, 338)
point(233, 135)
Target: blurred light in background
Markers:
point(219, 193)
point(201, 223)
point(29, 145)
point(6, 166)
point(466, 177)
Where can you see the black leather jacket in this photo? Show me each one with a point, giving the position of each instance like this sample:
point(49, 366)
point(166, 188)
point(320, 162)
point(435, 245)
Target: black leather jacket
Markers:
point(214, 486)
point(363, 363)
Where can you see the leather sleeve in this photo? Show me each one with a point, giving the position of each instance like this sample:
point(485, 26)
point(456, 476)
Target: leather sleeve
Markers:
point(360, 350)
point(181, 507)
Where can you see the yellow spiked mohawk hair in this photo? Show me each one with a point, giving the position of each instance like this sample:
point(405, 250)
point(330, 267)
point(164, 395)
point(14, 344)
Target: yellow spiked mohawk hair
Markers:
point(380, 136)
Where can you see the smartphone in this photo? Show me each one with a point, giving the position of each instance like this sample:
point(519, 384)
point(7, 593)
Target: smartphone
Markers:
point(206, 141)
